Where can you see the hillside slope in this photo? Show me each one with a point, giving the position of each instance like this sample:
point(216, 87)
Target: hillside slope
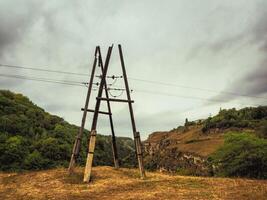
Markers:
point(187, 149)
point(109, 183)
point(31, 138)
point(178, 149)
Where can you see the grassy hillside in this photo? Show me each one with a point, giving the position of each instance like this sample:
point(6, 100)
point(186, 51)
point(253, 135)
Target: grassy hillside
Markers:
point(109, 183)
point(232, 143)
point(31, 138)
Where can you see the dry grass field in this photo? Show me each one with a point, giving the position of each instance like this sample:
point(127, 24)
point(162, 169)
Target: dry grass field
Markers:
point(108, 183)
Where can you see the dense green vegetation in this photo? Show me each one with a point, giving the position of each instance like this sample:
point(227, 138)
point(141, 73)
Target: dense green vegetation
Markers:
point(242, 155)
point(252, 118)
point(31, 138)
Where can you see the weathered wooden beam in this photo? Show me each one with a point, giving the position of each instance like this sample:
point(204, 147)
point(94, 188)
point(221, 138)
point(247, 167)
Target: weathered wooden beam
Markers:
point(113, 138)
point(115, 100)
point(90, 156)
point(77, 143)
point(100, 112)
point(137, 140)
point(89, 161)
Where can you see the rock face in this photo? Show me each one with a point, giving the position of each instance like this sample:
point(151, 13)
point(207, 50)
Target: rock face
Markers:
point(185, 151)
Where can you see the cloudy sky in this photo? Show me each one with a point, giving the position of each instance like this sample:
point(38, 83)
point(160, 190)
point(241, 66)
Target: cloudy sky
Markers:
point(207, 53)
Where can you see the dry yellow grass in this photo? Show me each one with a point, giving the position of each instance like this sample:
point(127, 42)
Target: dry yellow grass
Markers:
point(108, 183)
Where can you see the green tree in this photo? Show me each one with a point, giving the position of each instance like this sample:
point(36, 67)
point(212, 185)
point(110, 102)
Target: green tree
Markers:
point(35, 161)
point(14, 150)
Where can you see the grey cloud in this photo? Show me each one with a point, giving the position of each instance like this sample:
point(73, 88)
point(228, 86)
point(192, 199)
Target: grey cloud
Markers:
point(253, 34)
point(15, 19)
point(259, 31)
point(56, 107)
point(253, 83)
point(216, 47)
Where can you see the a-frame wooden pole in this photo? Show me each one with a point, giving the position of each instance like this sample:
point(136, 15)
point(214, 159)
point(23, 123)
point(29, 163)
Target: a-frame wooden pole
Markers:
point(136, 134)
point(113, 138)
point(90, 154)
point(77, 144)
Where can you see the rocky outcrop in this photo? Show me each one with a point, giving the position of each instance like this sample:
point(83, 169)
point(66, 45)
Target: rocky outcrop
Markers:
point(159, 156)
point(177, 151)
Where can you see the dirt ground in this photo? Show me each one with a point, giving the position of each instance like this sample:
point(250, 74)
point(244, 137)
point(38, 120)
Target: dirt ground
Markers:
point(111, 184)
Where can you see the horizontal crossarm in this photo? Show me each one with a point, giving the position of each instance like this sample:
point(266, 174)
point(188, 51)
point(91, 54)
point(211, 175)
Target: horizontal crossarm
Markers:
point(115, 100)
point(100, 112)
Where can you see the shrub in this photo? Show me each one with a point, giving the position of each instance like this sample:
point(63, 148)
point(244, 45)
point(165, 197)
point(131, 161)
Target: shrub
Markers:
point(242, 155)
point(263, 130)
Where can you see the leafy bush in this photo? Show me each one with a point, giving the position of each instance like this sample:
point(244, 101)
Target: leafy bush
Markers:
point(263, 130)
point(242, 155)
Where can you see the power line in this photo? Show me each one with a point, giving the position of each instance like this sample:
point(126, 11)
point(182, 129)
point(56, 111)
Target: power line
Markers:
point(196, 88)
point(183, 96)
point(43, 70)
point(81, 84)
point(175, 95)
point(72, 83)
point(137, 79)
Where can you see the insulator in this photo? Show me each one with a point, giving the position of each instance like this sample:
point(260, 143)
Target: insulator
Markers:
point(113, 77)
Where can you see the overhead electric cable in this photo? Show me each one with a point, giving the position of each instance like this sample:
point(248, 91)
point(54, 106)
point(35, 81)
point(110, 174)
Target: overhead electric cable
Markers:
point(72, 83)
point(137, 79)
point(43, 70)
point(186, 97)
point(81, 84)
point(196, 88)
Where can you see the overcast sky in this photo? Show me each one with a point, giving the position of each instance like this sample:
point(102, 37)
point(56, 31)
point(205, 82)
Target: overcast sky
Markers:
point(213, 45)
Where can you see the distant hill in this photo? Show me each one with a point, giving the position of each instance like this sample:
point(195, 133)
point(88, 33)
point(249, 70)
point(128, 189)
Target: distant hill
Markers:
point(31, 138)
point(232, 143)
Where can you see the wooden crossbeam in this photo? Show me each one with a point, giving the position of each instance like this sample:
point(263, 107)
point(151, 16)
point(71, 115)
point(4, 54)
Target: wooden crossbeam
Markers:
point(115, 100)
point(100, 112)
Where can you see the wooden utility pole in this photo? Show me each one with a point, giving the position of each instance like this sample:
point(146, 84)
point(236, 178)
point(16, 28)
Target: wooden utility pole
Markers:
point(92, 138)
point(113, 138)
point(77, 144)
point(90, 154)
point(136, 134)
